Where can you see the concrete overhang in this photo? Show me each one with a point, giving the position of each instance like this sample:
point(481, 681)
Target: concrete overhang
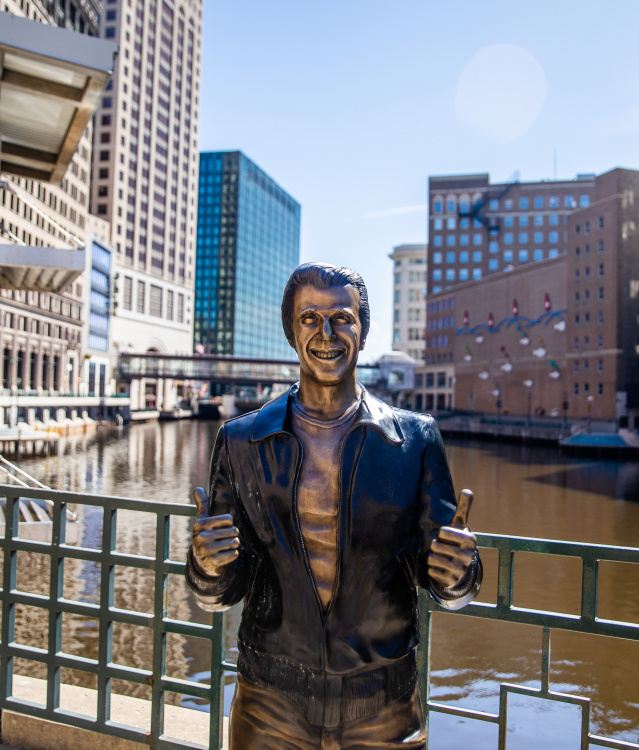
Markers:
point(39, 269)
point(51, 81)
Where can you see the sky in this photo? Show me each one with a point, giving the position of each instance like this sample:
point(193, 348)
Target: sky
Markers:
point(350, 105)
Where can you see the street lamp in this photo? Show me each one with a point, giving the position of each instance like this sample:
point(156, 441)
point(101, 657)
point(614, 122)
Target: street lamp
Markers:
point(589, 399)
point(529, 384)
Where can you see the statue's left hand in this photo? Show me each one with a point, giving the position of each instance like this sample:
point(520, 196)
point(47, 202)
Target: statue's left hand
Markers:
point(454, 548)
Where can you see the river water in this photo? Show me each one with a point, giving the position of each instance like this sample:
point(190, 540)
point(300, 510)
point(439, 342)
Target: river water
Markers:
point(519, 490)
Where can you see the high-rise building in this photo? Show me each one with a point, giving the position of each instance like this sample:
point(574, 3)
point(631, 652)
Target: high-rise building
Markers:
point(144, 177)
point(49, 76)
point(409, 299)
point(248, 245)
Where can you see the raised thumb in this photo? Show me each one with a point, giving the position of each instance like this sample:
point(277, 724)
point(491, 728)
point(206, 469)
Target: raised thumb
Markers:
point(460, 519)
point(201, 501)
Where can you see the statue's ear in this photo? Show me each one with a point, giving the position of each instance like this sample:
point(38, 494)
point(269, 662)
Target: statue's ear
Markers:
point(362, 344)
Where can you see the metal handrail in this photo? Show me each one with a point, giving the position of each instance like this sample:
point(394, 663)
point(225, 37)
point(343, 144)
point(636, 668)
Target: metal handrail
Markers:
point(109, 558)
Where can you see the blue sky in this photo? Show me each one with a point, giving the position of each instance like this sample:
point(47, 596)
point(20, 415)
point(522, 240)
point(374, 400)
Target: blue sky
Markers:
point(350, 105)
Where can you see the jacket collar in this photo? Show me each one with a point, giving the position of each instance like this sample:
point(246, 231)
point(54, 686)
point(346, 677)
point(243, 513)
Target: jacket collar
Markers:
point(273, 417)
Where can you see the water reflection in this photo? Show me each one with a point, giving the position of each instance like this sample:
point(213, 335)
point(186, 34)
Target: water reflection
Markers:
point(519, 490)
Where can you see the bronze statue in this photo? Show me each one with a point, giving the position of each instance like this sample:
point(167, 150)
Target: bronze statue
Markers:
point(326, 508)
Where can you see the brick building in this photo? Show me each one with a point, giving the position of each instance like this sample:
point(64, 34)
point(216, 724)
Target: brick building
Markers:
point(533, 296)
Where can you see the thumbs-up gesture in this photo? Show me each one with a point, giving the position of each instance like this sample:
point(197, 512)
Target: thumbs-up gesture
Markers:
point(216, 540)
point(454, 548)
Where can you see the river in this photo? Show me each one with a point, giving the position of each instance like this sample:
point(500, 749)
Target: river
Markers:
point(519, 490)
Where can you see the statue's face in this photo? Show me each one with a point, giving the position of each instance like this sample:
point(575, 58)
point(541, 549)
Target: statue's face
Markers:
point(328, 333)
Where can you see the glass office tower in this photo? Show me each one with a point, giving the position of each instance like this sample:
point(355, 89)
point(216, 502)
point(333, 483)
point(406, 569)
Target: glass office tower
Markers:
point(248, 239)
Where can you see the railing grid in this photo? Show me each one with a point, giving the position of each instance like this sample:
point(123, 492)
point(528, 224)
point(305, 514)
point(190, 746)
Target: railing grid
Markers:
point(107, 614)
point(504, 610)
point(161, 624)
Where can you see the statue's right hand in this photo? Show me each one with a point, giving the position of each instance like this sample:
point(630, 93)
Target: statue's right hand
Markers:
point(215, 539)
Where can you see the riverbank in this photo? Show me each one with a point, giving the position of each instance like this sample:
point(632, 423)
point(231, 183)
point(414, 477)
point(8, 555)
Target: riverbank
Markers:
point(577, 438)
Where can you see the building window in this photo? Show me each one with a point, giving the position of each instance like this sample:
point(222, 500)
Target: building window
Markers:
point(463, 256)
point(523, 204)
point(569, 201)
point(600, 342)
point(437, 207)
point(509, 221)
point(575, 366)
point(600, 270)
point(127, 300)
point(451, 223)
point(584, 200)
point(464, 223)
point(493, 264)
point(463, 240)
point(477, 238)
point(155, 301)
point(586, 365)
point(451, 207)
point(508, 256)
point(450, 256)
point(493, 205)
point(493, 246)
point(600, 389)
point(180, 308)
point(575, 344)
point(586, 388)
point(523, 221)
point(553, 201)
point(477, 256)
point(438, 224)
point(437, 257)
point(553, 237)
point(600, 293)
point(586, 227)
point(538, 237)
point(600, 246)
point(508, 204)
point(450, 240)
point(600, 365)
point(601, 222)
point(538, 254)
point(553, 252)
point(437, 240)
point(450, 274)
point(553, 220)
point(575, 389)
point(508, 238)
point(538, 201)
point(476, 273)
point(523, 238)
point(538, 220)
point(576, 274)
point(141, 290)
point(463, 274)
point(437, 274)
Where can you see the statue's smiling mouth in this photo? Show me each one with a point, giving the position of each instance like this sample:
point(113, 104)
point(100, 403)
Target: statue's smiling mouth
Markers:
point(327, 353)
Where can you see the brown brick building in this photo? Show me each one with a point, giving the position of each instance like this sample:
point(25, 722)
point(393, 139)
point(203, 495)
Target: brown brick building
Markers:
point(533, 296)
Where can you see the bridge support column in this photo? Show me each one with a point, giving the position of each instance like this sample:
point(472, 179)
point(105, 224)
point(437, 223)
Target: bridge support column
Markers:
point(135, 393)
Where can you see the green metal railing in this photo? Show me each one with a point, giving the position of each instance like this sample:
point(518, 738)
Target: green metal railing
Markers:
point(504, 610)
point(161, 624)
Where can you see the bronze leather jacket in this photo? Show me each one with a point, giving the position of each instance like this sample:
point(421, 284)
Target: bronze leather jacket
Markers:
point(396, 491)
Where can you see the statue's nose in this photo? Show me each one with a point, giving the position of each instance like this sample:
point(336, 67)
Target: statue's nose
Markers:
point(327, 331)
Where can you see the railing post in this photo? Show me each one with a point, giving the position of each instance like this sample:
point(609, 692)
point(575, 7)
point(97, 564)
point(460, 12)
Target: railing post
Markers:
point(218, 654)
point(423, 657)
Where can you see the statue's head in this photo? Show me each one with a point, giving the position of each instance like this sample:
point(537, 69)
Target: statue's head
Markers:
point(326, 319)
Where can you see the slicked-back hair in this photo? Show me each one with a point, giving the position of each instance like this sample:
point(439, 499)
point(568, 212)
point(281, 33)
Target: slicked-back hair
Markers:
point(323, 276)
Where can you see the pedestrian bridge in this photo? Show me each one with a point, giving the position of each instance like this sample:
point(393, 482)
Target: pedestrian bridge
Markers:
point(222, 369)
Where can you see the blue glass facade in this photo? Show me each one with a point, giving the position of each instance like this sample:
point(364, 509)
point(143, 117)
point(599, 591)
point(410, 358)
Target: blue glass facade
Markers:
point(248, 239)
point(99, 297)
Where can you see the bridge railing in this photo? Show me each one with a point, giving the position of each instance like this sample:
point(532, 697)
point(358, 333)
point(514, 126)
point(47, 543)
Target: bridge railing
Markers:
point(161, 624)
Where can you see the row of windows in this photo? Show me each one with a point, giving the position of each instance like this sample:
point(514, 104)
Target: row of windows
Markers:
point(464, 257)
point(434, 324)
point(585, 365)
point(508, 204)
point(586, 272)
point(430, 380)
point(464, 274)
point(439, 358)
point(578, 344)
point(448, 303)
point(586, 316)
point(508, 221)
point(156, 300)
point(600, 249)
point(586, 389)
point(451, 240)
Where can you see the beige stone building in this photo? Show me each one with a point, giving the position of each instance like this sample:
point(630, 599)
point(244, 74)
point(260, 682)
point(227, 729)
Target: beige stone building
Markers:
point(409, 299)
